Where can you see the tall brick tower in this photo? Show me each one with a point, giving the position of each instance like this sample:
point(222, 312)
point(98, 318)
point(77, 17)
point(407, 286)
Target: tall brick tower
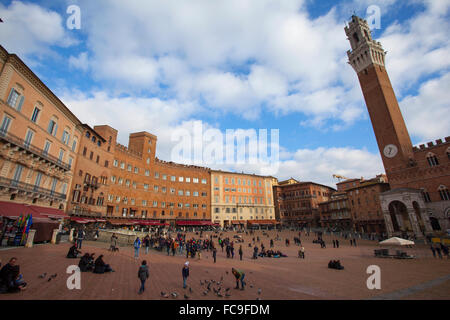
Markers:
point(367, 58)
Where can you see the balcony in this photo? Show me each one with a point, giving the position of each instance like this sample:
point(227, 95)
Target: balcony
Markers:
point(22, 144)
point(85, 211)
point(29, 188)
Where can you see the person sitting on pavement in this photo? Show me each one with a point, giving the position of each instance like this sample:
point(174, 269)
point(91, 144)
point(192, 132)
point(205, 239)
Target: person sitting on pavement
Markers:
point(335, 264)
point(11, 280)
point(73, 252)
point(86, 262)
point(101, 266)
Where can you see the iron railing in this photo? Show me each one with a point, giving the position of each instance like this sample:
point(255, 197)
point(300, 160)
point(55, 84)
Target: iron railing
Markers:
point(13, 139)
point(22, 186)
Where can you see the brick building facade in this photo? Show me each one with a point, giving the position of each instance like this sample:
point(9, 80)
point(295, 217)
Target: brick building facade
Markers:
point(297, 203)
point(419, 200)
point(143, 187)
point(335, 213)
point(91, 175)
point(365, 205)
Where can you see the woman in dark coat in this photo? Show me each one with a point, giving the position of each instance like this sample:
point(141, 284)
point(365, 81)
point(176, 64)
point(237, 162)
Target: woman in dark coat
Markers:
point(101, 266)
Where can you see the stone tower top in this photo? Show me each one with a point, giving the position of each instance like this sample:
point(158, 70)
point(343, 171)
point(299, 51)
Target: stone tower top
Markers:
point(365, 51)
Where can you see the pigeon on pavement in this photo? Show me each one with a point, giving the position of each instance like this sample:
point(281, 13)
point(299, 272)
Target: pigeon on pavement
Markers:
point(42, 276)
point(186, 297)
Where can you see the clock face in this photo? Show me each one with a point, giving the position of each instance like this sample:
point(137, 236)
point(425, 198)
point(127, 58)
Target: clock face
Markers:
point(390, 151)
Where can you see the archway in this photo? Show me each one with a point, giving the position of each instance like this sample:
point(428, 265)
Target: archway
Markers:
point(398, 211)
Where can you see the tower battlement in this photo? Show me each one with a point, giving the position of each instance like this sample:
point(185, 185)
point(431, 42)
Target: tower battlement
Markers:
point(364, 50)
point(431, 144)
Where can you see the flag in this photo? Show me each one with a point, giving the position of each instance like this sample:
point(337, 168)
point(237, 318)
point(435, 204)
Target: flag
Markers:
point(19, 221)
point(24, 227)
point(30, 222)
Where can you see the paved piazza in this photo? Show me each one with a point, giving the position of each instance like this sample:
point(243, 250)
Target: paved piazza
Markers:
point(284, 278)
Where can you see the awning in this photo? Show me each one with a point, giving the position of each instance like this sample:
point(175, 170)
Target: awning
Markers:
point(238, 222)
point(122, 222)
point(397, 242)
point(194, 223)
point(150, 223)
point(262, 222)
point(82, 220)
point(49, 212)
point(13, 210)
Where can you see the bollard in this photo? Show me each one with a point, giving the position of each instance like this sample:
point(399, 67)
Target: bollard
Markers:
point(54, 235)
point(30, 238)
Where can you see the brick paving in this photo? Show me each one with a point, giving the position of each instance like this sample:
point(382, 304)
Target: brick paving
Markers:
point(288, 278)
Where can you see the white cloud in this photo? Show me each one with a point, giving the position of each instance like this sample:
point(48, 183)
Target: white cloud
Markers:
point(419, 47)
point(31, 29)
point(81, 62)
point(427, 114)
point(318, 165)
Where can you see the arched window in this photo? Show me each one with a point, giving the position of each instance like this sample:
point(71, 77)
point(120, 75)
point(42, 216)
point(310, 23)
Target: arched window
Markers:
point(88, 134)
point(432, 159)
point(426, 195)
point(443, 192)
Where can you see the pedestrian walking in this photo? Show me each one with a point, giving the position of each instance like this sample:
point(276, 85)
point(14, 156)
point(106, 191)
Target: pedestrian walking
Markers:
point(137, 245)
point(240, 252)
point(444, 249)
point(146, 243)
point(438, 250)
point(354, 242)
point(143, 275)
point(80, 238)
point(351, 242)
point(214, 254)
point(337, 243)
point(302, 250)
point(113, 246)
point(334, 244)
point(185, 273)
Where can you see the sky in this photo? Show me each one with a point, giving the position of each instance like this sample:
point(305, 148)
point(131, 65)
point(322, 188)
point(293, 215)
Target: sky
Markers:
point(169, 66)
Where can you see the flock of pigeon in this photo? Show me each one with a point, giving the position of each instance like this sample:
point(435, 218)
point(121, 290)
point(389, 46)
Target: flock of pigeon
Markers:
point(42, 276)
point(212, 287)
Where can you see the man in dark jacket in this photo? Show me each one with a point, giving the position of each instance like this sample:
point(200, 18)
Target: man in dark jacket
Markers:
point(185, 273)
point(10, 277)
point(143, 275)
